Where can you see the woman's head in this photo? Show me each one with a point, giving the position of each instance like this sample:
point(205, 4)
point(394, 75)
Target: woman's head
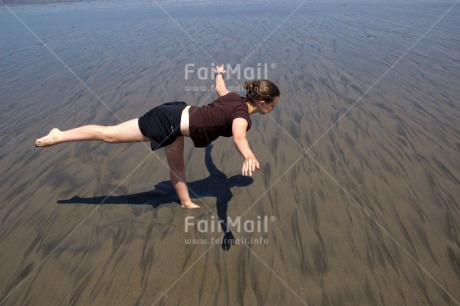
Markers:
point(262, 94)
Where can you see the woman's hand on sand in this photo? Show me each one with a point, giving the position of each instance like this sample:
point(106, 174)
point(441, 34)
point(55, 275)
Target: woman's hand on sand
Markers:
point(220, 69)
point(250, 165)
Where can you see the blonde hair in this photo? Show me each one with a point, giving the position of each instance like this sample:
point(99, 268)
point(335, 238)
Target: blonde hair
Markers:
point(261, 90)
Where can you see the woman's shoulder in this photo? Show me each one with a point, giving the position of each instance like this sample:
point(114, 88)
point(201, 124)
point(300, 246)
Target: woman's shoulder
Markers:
point(232, 96)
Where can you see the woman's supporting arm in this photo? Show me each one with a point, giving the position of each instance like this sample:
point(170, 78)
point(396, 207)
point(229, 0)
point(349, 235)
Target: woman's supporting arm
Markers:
point(239, 128)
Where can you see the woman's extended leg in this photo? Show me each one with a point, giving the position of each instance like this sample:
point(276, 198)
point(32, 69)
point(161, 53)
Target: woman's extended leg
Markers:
point(127, 131)
point(175, 156)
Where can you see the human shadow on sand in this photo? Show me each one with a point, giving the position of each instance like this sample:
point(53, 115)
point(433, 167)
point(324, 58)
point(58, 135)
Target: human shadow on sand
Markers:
point(215, 185)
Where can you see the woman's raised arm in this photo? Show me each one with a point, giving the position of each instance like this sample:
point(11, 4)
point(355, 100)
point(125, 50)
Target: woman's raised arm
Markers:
point(220, 83)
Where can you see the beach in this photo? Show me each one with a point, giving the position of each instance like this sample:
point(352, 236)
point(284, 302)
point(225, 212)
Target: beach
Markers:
point(357, 199)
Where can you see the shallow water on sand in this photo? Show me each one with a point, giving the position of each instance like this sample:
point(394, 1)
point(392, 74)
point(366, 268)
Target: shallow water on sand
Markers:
point(360, 172)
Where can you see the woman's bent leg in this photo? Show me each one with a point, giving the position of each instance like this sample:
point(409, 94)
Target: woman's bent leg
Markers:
point(124, 132)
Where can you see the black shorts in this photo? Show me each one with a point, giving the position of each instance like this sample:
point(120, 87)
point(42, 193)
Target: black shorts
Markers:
point(162, 124)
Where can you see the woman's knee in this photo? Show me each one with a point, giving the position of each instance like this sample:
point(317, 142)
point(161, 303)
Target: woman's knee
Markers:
point(124, 132)
point(178, 167)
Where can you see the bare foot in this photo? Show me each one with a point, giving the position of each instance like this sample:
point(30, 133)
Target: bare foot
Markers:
point(48, 140)
point(190, 205)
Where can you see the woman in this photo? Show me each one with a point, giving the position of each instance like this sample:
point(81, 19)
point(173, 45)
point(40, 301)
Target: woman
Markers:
point(167, 124)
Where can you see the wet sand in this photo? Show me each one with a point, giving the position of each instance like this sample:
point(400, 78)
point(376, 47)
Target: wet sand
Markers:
point(360, 171)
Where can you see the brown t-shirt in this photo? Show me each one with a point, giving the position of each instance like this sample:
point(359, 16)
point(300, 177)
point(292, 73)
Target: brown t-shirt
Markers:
point(208, 122)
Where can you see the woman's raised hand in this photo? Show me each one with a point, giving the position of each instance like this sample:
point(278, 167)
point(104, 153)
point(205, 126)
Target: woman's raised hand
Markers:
point(220, 69)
